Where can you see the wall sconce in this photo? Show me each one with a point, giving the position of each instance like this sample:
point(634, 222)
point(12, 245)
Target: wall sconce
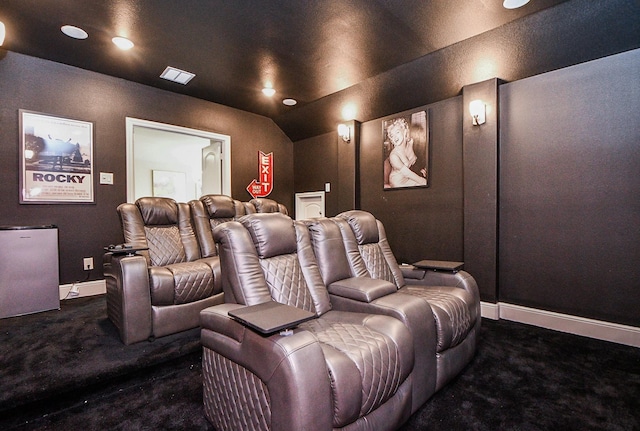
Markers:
point(2, 32)
point(477, 108)
point(344, 132)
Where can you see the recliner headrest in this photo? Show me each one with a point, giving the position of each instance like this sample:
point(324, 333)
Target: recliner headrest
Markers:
point(273, 234)
point(363, 224)
point(219, 206)
point(265, 205)
point(158, 211)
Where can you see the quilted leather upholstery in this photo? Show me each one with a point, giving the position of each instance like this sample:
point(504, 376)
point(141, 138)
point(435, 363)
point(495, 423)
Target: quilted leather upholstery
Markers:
point(286, 281)
point(452, 315)
point(375, 262)
point(453, 298)
point(193, 281)
point(160, 291)
point(368, 358)
point(375, 356)
point(165, 246)
point(223, 381)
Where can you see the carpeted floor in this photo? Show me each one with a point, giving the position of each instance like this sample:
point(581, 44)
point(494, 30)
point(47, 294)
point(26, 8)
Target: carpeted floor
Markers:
point(67, 370)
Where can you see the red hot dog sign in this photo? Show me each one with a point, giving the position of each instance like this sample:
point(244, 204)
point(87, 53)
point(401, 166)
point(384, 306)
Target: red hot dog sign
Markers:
point(264, 186)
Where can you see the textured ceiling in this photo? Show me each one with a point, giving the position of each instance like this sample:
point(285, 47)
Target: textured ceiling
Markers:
point(381, 55)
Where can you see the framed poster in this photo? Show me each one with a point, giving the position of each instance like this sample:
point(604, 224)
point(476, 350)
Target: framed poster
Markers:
point(56, 159)
point(405, 142)
point(167, 184)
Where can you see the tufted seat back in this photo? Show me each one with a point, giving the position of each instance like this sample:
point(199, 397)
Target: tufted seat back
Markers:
point(268, 256)
point(367, 247)
point(208, 212)
point(176, 273)
point(162, 225)
point(267, 263)
point(455, 310)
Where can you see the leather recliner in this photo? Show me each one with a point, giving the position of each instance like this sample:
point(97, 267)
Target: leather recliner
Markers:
point(453, 297)
point(159, 291)
point(213, 209)
point(366, 295)
point(341, 370)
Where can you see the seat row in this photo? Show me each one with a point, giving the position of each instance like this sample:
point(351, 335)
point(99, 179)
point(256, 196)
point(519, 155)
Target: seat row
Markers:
point(384, 337)
point(161, 289)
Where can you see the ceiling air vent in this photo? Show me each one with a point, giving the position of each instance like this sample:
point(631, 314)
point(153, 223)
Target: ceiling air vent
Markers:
point(177, 75)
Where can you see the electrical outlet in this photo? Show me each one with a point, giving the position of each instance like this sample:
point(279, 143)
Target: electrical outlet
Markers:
point(87, 263)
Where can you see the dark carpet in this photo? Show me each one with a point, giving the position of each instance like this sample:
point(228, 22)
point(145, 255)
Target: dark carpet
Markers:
point(67, 370)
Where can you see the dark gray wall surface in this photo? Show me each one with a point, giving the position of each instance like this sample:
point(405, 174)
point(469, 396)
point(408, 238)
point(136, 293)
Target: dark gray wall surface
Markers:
point(44, 86)
point(316, 163)
point(421, 223)
point(570, 190)
point(480, 178)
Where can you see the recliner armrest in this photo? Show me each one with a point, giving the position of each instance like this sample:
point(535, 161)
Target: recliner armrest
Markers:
point(128, 296)
point(411, 272)
point(284, 364)
point(363, 289)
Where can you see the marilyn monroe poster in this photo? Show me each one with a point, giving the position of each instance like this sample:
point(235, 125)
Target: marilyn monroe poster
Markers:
point(406, 151)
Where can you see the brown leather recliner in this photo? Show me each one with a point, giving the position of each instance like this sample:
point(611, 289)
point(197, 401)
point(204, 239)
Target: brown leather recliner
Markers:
point(208, 212)
point(162, 290)
point(266, 205)
point(453, 297)
point(340, 370)
point(367, 295)
point(214, 209)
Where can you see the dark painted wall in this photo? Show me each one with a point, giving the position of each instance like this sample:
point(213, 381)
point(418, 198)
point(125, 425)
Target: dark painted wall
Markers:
point(44, 86)
point(480, 173)
point(421, 223)
point(316, 163)
point(570, 190)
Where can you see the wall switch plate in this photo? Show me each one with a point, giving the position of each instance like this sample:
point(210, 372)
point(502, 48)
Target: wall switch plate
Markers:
point(327, 187)
point(106, 178)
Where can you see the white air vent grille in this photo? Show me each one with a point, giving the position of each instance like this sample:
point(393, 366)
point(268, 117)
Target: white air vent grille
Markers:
point(177, 75)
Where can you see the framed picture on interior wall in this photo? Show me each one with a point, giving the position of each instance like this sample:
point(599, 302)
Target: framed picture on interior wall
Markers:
point(167, 184)
point(56, 159)
point(405, 143)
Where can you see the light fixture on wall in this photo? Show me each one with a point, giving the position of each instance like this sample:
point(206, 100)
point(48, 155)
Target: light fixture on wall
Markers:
point(344, 132)
point(2, 32)
point(477, 109)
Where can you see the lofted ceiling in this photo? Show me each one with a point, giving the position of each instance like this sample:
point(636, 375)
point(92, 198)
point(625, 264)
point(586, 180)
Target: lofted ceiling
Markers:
point(381, 55)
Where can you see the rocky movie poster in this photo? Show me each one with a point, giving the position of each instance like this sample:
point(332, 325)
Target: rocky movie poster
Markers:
point(56, 159)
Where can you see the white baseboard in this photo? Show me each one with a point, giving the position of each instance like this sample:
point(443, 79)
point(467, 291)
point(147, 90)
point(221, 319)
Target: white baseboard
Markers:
point(87, 288)
point(490, 310)
point(598, 329)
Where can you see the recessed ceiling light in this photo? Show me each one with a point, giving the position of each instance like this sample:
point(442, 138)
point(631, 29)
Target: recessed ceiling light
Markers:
point(514, 4)
point(122, 43)
point(289, 102)
point(74, 32)
point(268, 91)
point(177, 75)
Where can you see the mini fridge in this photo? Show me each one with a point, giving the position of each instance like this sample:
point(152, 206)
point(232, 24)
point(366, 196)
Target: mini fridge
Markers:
point(29, 274)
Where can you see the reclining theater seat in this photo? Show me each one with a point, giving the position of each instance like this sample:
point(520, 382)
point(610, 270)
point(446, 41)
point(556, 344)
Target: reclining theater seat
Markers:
point(214, 209)
point(343, 370)
point(367, 295)
point(160, 291)
point(208, 212)
point(453, 297)
point(265, 205)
